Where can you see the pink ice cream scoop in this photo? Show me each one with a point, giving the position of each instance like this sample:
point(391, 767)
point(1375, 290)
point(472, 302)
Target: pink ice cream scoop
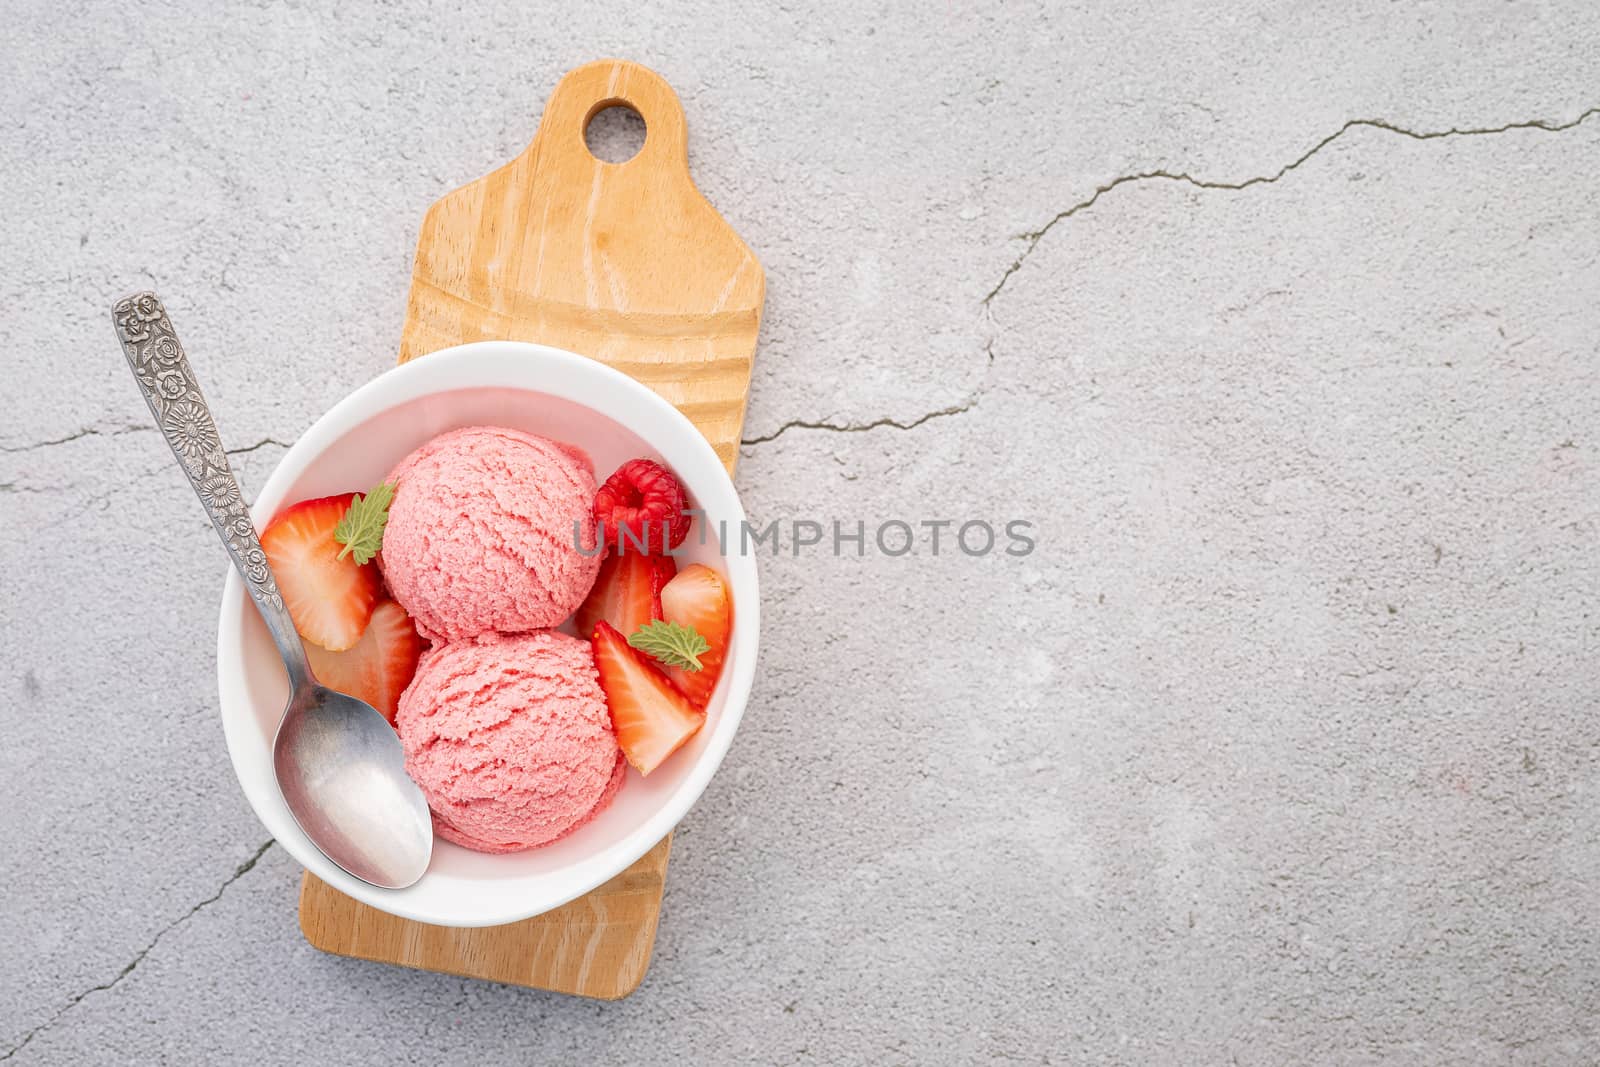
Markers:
point(510, 739)
point(481, 533)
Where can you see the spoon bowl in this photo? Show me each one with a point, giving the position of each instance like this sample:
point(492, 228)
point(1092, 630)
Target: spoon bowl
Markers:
point(342, 771)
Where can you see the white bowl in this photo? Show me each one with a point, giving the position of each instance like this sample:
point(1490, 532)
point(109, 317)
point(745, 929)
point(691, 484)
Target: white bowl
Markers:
point(564, 396)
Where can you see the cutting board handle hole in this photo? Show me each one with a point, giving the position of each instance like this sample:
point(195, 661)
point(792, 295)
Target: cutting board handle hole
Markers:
point(614, 132)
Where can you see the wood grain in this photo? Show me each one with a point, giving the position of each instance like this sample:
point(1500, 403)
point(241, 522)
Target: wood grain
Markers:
point(597, 946)
point(626, 263)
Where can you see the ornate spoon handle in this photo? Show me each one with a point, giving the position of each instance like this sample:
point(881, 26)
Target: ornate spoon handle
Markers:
point(173, 393)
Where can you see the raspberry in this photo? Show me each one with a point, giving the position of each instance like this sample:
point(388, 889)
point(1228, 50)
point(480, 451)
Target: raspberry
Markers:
point(642, 504)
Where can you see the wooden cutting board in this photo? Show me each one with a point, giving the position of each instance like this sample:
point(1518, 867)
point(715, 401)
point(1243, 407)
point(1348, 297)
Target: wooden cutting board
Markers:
point(626, 263)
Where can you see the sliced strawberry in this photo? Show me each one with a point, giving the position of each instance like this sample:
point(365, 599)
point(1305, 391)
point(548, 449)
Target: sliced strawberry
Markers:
point(651, 718)
point(330, 599)
point(627, 592)
point(381, 664)
point(698, 598)
point(642, 504)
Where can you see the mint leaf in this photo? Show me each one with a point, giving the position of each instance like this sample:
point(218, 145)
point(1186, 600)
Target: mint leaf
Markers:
point(361, 529)
point(671, 643)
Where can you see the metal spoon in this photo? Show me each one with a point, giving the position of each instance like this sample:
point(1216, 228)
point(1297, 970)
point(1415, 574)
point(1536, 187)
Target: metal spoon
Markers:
point(338, 762)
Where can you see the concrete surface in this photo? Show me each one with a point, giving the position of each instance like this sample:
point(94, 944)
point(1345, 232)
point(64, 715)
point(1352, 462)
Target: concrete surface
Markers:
point(1281, 747)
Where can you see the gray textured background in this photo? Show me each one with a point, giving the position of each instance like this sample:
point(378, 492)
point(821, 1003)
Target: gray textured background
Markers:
point(1282, 747)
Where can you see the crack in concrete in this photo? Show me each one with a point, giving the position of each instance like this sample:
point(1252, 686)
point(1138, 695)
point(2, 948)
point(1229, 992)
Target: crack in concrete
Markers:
point(94, 431)
point(801, 424)
point(88, 431)
point(73, 1001)
point(263, 443)
point(102, 498)
point(1033, 238)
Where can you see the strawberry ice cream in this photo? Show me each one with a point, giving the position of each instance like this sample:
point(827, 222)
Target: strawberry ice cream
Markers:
point(481, 533)
point(510, 739)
